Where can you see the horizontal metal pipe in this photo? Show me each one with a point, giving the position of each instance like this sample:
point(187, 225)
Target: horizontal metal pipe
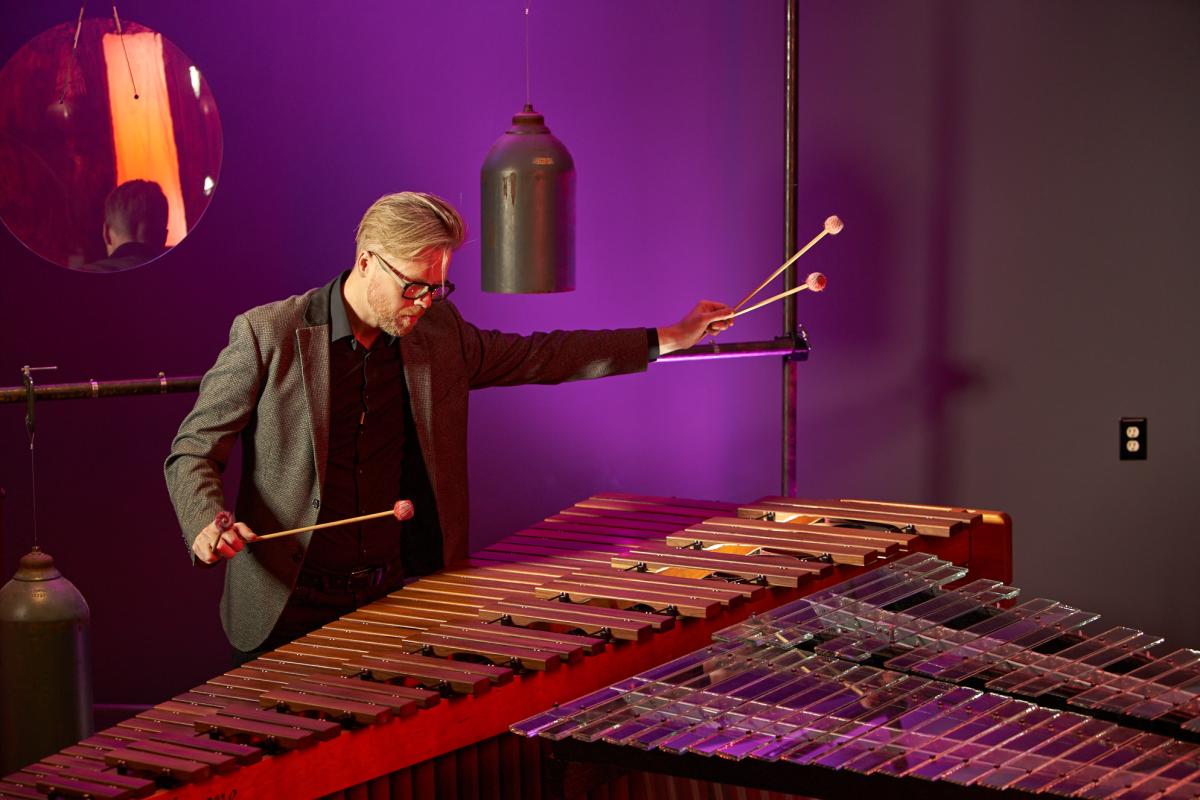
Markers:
point(796, 350)
point(96, 389)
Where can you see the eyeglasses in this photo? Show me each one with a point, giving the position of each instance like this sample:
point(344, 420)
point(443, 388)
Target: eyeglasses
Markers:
point(415, 290)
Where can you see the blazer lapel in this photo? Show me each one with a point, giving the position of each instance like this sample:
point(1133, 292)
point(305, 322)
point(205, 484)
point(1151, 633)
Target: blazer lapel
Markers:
point(314, 365)
point(418, 377)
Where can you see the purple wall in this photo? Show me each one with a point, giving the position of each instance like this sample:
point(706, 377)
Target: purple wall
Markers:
point(1004, 170)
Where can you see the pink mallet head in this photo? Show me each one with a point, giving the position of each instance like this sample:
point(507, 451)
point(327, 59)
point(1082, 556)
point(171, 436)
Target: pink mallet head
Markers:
point(403, 510)
point(815, 282)
point(833, 225)
point(223, 521)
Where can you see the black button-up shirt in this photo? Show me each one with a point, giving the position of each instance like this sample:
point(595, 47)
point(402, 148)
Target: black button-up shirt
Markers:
point(374, 460)
point(368, 407)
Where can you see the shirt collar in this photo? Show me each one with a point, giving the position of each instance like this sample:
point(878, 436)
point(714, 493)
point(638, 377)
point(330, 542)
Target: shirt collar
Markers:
point(339, 323)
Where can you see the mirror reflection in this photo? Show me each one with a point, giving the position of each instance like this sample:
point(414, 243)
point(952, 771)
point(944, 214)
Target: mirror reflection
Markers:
point(110, 145)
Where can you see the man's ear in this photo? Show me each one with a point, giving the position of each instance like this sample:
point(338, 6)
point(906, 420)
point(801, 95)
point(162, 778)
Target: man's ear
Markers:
point(364, 261)
point(107, 233)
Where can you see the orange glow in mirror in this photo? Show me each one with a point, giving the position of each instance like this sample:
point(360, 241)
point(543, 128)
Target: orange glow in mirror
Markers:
point(143, 133)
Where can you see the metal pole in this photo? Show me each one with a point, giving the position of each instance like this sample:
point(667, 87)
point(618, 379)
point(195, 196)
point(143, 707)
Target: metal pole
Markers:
point(97, 389)
point(791, 180)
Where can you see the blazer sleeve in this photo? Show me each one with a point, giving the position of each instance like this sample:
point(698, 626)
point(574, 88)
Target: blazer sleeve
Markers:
point(226, 405)
point(494, 358)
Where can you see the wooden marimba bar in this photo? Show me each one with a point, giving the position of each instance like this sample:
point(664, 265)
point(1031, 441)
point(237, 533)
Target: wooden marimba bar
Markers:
point(888, 678)
point(412, 695)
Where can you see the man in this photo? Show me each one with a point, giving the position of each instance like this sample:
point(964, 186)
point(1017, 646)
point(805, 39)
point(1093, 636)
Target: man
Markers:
point(135, 226)
point(348, 397)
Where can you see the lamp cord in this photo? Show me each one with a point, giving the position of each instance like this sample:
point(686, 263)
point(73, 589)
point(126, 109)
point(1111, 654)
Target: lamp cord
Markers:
point(62, 98)
point(128, 66)
point(528, 100)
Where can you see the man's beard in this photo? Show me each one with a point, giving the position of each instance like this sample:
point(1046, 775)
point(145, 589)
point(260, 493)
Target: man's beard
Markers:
point(392, 321)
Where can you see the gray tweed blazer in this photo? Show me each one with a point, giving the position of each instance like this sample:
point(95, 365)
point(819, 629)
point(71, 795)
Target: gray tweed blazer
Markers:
point(270, 387)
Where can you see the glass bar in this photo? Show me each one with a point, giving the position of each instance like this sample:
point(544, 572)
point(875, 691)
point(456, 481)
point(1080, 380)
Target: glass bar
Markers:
point(889, 722)
point(1051, 664)
point(1185, 691)
point(826, 713)
point(903, 730)
point(1066, 754)
point(930, 742)
point(702, 665)
point(708, 709)
point(812, 614)
point(534, 725)
point(691, 659)
point(971, 741)
point(858, 718)
point(739, 722)
point(1017, 628)
point(905, 628)
point(886, 595)
point(999, 752)
point(958, 751)
point(1116, 763)
point(1033, 750)
point(777, 720)
point(1120, 687)
point(1184, 790)
point(917, 566)
point(1120, 747)
point(846, 604)
point(887, 625)
point(1088, 671)
point(762, 712)
point(1178, 680)
point(1009, 643)
point(1079, 748)
point(845, 587)
point(1141, 769)
point(957, 638)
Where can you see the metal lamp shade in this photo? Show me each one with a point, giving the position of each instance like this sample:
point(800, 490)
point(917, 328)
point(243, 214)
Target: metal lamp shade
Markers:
point(528, 209)
point(45, 664)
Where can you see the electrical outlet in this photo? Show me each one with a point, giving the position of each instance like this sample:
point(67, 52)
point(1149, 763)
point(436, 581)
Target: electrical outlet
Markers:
point(1133, 438)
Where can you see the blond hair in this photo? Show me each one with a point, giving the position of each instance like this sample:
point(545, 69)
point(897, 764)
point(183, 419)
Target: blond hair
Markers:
point(410, 224)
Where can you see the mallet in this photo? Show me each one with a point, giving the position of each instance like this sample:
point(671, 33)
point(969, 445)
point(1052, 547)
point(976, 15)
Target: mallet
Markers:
point(815, 281)
point(401, 510)
point(833, 226)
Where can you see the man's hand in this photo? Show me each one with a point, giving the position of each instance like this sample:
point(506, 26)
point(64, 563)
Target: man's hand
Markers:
point(211, 545)
point(707, 317)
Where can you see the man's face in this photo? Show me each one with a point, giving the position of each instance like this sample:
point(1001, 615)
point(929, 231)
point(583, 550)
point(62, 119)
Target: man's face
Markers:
point(395, 314)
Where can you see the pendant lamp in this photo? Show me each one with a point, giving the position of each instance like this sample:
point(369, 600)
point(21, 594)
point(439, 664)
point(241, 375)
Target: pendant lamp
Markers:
point(528, 206)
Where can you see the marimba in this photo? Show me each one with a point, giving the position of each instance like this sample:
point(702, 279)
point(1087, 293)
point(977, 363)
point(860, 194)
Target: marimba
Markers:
point(889, 683)
point(412, 695)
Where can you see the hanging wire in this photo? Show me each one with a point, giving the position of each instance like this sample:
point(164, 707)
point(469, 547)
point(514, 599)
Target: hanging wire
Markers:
point(30, 430)
point(33, 492)
point(62, 99)
point(128, 66)
point(78, 26)
point(528, 100)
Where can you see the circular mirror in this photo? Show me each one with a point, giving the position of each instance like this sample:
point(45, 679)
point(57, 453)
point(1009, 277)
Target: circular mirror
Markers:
point(110, 145)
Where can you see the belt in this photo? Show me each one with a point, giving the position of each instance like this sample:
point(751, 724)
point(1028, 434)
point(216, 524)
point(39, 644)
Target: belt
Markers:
point(356, 582)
